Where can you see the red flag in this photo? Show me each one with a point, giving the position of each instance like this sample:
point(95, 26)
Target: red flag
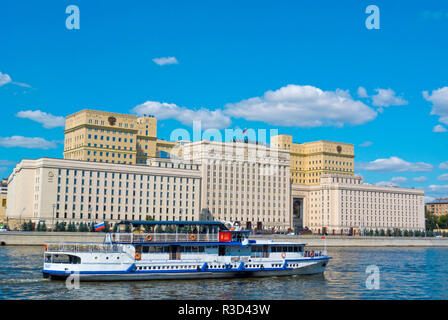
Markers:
point(323, 237)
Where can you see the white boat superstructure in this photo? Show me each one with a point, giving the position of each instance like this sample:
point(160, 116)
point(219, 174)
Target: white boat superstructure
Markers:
point(179, 250)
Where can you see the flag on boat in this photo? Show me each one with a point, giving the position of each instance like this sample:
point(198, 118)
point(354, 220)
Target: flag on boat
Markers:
point(99, 226)
point(323, 237)
point(245, 130)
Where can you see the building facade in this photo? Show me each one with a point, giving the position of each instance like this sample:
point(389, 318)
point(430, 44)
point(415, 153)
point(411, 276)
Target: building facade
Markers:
point(107, 137)
point(3, 200)
point(309, 161)
point(344, 204)
point(438, 207)
point(57, 190)
point(244, 182)
point(237, 182)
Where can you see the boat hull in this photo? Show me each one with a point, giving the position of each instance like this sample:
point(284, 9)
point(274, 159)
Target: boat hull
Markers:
point(316, 267)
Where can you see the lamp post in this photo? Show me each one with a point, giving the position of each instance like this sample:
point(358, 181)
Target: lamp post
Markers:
point(52, 224)
point(20, 217)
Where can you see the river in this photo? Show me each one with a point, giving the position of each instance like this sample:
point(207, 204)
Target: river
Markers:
point(403, 273)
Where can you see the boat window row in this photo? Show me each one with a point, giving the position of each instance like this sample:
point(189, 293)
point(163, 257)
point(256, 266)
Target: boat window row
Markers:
point(166, 249)
point(62, 258)
point(286, 249)
point(168, 267)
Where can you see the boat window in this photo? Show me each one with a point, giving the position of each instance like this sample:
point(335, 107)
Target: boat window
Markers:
point(145, 249)
point(201, 249)
point(66, 258)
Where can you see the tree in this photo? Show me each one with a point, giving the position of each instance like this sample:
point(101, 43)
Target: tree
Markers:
point(405, 233)
point(431, 220)
point(388, 233)
point(106, 227)
point(382, 233)
point(377, 233)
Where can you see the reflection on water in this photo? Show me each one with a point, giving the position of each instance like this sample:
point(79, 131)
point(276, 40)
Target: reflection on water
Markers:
point(405, 273)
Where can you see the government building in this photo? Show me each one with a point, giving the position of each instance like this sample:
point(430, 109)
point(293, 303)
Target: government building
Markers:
point(115, 168)
point(438, 207)
point(98, 136)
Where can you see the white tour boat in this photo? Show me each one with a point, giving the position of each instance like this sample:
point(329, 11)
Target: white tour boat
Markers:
point(179, 250)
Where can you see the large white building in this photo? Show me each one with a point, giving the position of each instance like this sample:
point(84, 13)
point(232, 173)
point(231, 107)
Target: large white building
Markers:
point(73, 190)
point(344, 204)
point(238, 181)
point(234, 181)
point(244, 182)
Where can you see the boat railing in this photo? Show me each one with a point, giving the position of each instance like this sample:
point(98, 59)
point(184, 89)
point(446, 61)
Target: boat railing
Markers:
point(82, 247)
point(163, 237)
point(314, 253)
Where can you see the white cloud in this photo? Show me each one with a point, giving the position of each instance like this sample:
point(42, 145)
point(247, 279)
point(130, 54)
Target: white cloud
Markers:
point(439, 128)
point(46, 119)
point(362, 92)
point(399, 179)
point(4, 79)
point(395, 164)
point(7, 163)
point(209, 119)
point(429, 199)
point(386, 98)
point(443, 177)
point(303, 106)
point(444, 165)
point(438, 189)
point(439, 99)
point(420, 179)
point(165, 60)
point(27, 142)
point(394, 182)
point(366, 144)
point(21, 84)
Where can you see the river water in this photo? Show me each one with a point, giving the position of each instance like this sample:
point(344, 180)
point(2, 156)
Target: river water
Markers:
point(403, 273)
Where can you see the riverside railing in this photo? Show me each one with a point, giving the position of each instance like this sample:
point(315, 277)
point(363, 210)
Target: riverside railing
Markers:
point(163, 237)
point(82, 247)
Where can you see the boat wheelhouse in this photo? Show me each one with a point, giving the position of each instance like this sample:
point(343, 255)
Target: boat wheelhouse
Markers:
point(145, 250)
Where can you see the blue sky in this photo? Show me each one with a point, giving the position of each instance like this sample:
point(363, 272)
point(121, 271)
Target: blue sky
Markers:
point(295, 66)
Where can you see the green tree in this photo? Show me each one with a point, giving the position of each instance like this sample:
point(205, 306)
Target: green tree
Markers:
point(377, 233)
point(431, 220)
point(382, 233)
point(443, 222)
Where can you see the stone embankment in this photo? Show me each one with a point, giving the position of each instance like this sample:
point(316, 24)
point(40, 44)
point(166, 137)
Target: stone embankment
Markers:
point(39, 238)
